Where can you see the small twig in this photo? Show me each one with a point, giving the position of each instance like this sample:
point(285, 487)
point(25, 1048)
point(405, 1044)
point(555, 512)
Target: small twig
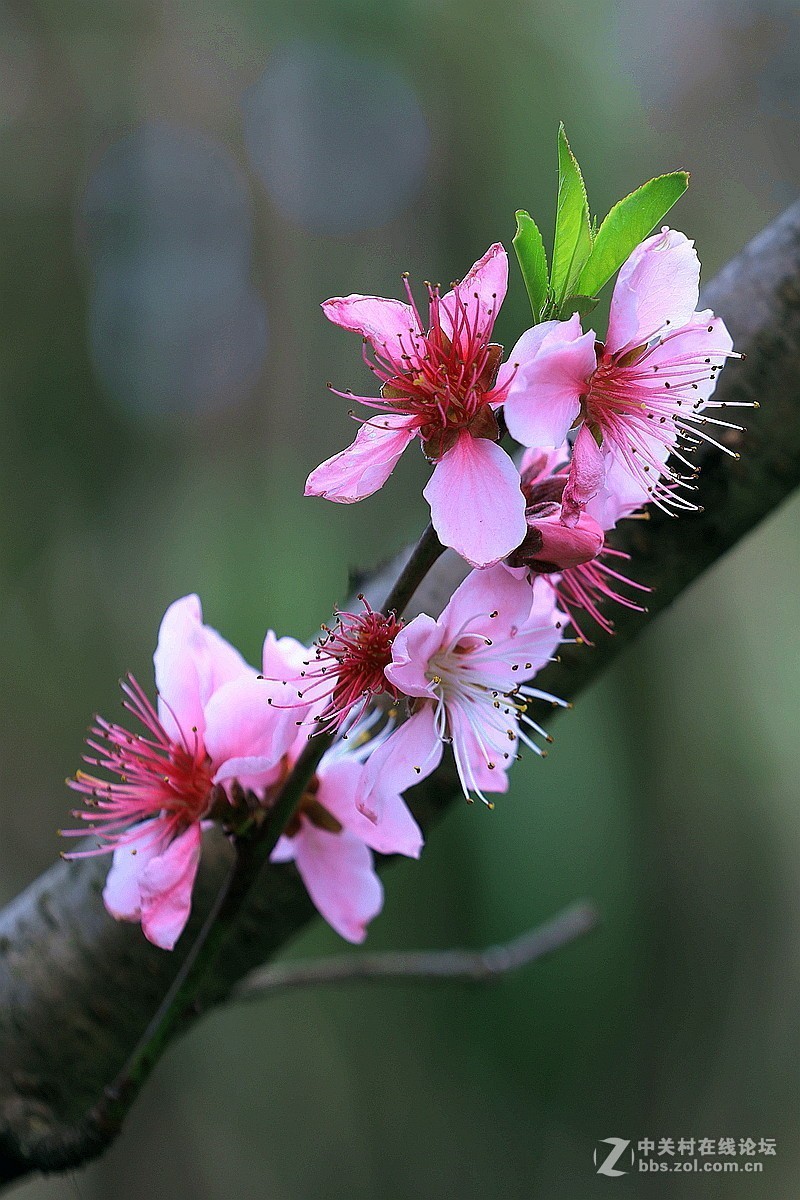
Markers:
point(422, 558)
point(473, 966)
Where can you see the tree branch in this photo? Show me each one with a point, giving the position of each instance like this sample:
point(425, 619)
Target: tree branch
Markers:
point(78, 989)
point(426, 966)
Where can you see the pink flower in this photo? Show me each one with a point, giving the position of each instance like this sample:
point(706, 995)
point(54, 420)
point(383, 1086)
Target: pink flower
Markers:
point(467, 675)
point(345, 671)
point(584, 586)
point(213, 726)
point(588, 587)
point(550, 544)
point(214, 735)
point(639, 397)
point(438, 383)
point(331, 842)
point(329, 838)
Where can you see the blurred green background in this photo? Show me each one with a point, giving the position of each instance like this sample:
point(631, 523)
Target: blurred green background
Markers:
point(182, 183)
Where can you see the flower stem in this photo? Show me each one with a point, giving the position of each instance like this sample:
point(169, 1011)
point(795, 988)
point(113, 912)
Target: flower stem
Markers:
point(423, 556)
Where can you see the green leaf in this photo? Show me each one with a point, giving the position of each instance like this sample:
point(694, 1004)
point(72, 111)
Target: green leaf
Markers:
point(628, 224)
point(532, 261)
point(573, 240)
point(582, 305)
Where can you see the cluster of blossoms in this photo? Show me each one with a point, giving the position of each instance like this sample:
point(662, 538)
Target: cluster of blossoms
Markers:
point(606, 428)
point(213, 749)
point(631, 402)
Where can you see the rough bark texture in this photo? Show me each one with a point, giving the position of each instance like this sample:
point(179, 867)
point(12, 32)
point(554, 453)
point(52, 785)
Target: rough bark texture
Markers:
point(77, 989)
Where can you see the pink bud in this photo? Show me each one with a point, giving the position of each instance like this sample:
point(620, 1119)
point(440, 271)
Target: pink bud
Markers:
point(550, 545)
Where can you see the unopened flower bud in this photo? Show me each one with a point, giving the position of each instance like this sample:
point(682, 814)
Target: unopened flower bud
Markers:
point(550, 545)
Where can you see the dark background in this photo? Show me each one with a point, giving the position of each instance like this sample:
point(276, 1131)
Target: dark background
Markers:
point(182, 182)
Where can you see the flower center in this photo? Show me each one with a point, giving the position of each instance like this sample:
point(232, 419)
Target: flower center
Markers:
point(361, 647)
point(188, 782)
point(610, 393)
point(448, 384)
point(348, 666)
point(651, 401)
point(453, 670)
point(157, 776)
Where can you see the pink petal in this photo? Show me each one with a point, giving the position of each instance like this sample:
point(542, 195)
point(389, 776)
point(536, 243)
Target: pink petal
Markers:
point(283, 658)
point(412, 650)
point(473, 755)
point(472, 307)
point(694, 341)
point(550, 545)
point(622, 492)
point(395, 833)
point(166, 888)
point(338, 872)
point(659, 283)
point(389, 325)
point(477, 505)
point(121, 894)
point(407, 756)
point(515, 572)
point(180, 643)
point(246, 736)
point(284, 851)
point(537, 464)
point(525, 350)
point(523, 650)
point(546, 617)
point(191, 662)
point(481, 594)
point(586, 475)
point(365, 465)
point(556, 361)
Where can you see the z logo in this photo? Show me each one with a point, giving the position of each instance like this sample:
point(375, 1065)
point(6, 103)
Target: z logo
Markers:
point(619, 1145)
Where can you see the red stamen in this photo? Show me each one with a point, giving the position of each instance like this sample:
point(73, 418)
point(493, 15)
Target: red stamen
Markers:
point(586, 587)
point(348, 666)
point(158, 777)
point(448, 378)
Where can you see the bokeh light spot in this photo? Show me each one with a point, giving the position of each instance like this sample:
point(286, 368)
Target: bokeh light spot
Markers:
point(339, 140)
point(175, 325)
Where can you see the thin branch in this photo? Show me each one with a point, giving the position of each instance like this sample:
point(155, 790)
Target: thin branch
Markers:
point(422, 558)
point(426, 966)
